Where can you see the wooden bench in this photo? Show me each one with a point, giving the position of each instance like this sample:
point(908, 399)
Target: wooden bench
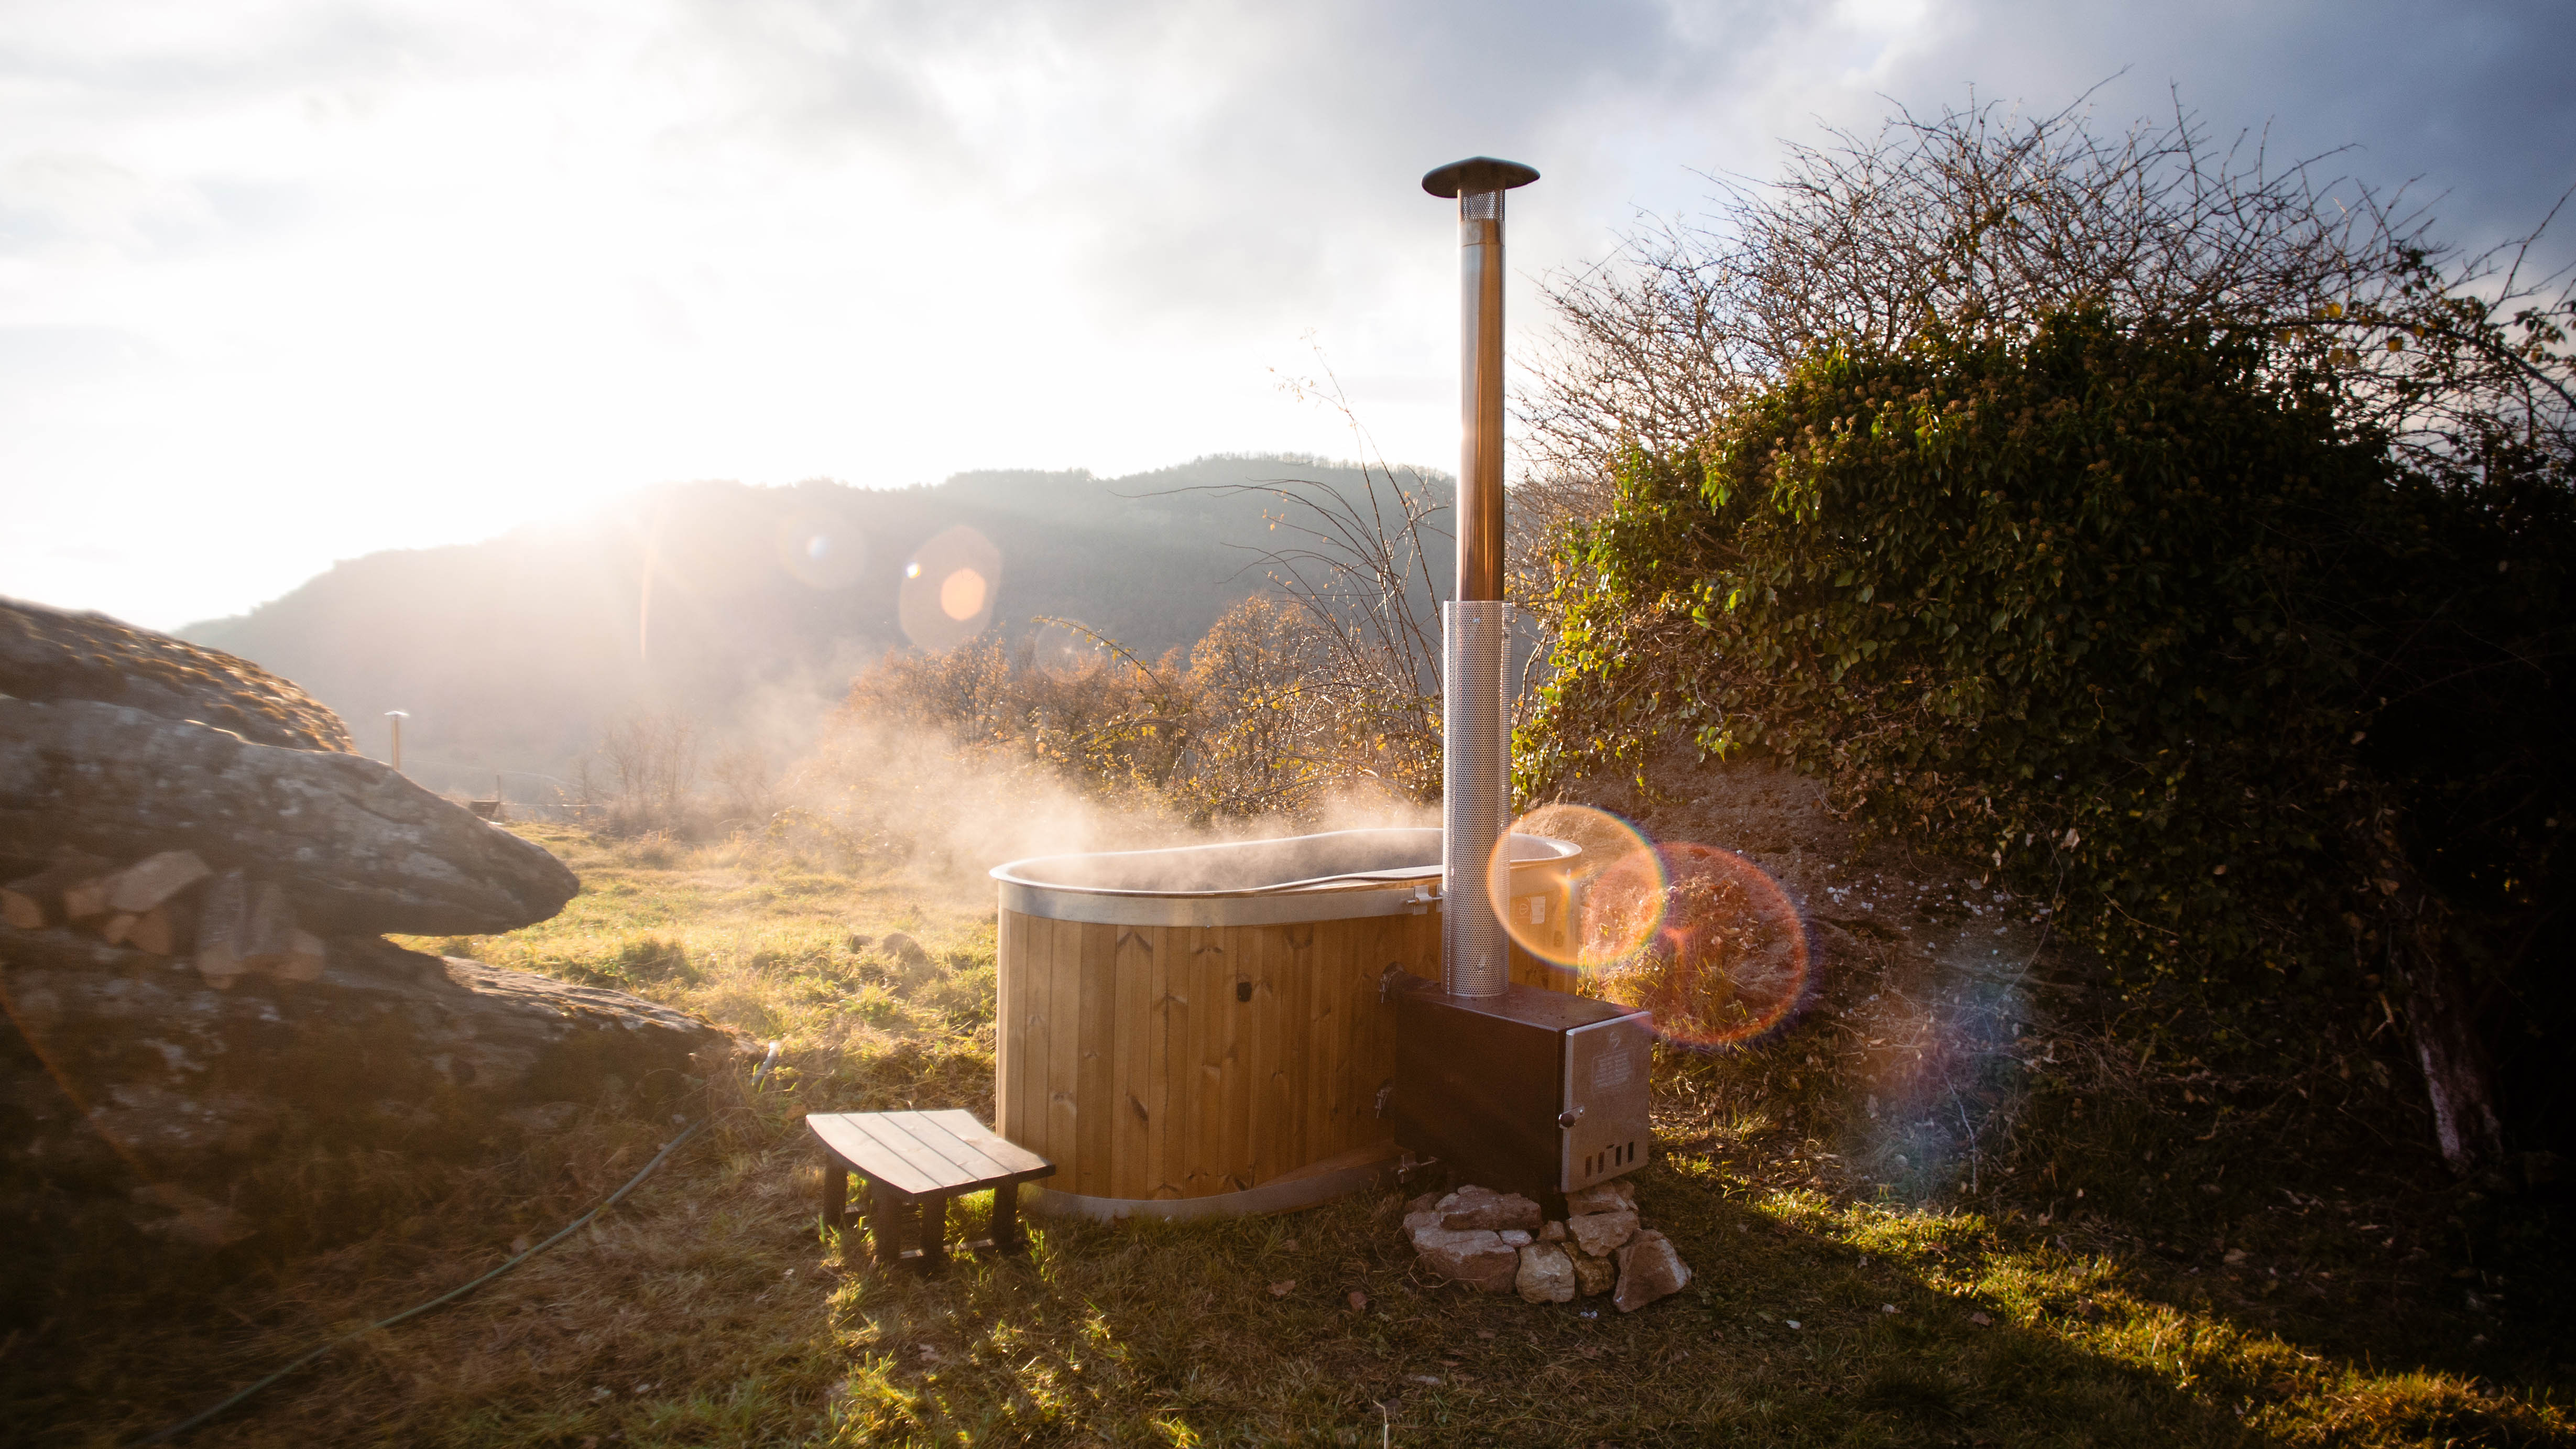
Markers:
point(912, 1163)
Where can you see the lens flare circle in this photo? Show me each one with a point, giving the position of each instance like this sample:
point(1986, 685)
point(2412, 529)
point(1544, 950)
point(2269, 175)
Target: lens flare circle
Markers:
point(961, 595)
point(821, 552)
point(948, 589)
point(1728, 962)
point(1067, 653)
point(1556, 910)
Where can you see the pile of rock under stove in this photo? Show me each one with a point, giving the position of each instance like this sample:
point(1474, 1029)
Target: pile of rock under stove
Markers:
point(1501, 1242)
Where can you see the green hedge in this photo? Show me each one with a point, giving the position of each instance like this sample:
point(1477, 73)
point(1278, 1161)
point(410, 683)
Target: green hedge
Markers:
point(2114, 612)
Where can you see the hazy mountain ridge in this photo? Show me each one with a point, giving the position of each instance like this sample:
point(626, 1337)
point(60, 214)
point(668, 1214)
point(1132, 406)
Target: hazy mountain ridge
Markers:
point(511, 655)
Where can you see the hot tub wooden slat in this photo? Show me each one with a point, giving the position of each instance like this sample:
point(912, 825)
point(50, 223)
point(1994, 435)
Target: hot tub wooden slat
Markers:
point(1184, 953)
point(1064, 1052)
point(1133, 1019)
point(1236, 1168)
point(1187, 1146)
point(1360, 1063)
point(1126, 1055)
point(1297, 1036)
point(1215, 1034)
point(1158, 1071)
point(1325, 1041)
point(1223, 1132)
point(1020, 942)
point(1009, 944)
point(1031, 1084)
point(1064, 1028)
point(1324, 1024)
point(1200, 959)
point(1097, 1077)
point(1262, 1146)
point(1042, 978)
point(1130, 1060)
point(1361, 1069)
point(1178, 1074)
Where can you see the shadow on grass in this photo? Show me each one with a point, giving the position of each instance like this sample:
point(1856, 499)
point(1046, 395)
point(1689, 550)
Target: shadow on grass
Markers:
point(1246, 1333)
point(698, 1319)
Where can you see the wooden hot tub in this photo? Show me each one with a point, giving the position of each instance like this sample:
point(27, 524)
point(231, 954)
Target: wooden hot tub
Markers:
point(1199, 1030)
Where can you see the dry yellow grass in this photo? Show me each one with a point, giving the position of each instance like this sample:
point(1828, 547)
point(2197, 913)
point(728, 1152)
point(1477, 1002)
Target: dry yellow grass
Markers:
point(708, 1311)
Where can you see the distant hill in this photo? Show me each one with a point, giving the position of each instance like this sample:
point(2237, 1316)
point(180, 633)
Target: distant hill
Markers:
point(512, 655)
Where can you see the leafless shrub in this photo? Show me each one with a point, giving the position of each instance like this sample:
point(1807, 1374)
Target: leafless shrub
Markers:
point(1980, 218)
point(1123, 725)
point(650, 761)
point(1257, 724)
point(1356, 570)
point(747, 780)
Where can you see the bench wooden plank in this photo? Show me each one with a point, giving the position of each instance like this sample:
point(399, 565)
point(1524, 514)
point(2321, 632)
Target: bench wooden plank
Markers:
point(968, 1142)
point(944, 1175)
point(853, 1144)
point(1020, 1161)
point(935, 1135)
point(914, 1163)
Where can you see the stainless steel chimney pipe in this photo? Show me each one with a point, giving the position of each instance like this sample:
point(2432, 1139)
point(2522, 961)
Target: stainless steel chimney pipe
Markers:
point(1479, 184)
point(1475, 712)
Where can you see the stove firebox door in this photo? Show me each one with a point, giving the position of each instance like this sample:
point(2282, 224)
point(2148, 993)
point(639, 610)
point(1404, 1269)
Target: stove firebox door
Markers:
point(1607, 1128)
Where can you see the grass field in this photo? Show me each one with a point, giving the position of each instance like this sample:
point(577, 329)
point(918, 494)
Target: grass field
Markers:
point(2069, 1296)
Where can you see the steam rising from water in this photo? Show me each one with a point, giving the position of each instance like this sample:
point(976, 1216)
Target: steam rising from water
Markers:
point(900, 794)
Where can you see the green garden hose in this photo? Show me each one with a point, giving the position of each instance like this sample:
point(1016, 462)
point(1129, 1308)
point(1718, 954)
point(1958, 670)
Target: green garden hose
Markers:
point(164, 1436)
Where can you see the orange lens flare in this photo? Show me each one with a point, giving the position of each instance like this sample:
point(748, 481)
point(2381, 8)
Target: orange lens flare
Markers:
point(948, 589)
point(961, 595)
point(1555, 909)
point(1726, 961)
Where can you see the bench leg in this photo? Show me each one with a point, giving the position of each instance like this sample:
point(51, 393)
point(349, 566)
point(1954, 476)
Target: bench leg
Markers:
point(836, 1193)
point(934, 1232)
point(1006, 1219)
point(887, 1211)
point(860, 1239)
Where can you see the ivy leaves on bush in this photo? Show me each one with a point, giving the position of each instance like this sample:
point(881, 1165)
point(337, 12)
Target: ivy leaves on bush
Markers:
point(2093, 604)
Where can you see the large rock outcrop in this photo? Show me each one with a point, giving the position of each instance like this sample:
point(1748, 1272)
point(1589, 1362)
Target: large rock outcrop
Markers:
point(51, 654)
point(130, 1077)
point(356, 847)
point(204, 1031)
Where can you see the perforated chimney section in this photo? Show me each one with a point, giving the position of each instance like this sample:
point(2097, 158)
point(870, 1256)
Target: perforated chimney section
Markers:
point(1475, 784)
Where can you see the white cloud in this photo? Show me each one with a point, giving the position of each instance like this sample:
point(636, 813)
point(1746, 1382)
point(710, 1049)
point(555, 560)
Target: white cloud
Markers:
point(286, 281)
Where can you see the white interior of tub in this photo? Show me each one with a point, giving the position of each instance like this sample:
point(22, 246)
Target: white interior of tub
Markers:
point(1340, 858)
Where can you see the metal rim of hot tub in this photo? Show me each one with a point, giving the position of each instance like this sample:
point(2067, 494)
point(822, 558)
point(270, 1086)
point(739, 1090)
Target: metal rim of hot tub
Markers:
point(1390, 889)
point(1126, 1058)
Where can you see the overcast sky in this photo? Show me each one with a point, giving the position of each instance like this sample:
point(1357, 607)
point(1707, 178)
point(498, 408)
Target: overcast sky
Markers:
point(287, 282)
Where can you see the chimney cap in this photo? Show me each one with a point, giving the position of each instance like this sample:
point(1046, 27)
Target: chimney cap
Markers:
point(1478, 173)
